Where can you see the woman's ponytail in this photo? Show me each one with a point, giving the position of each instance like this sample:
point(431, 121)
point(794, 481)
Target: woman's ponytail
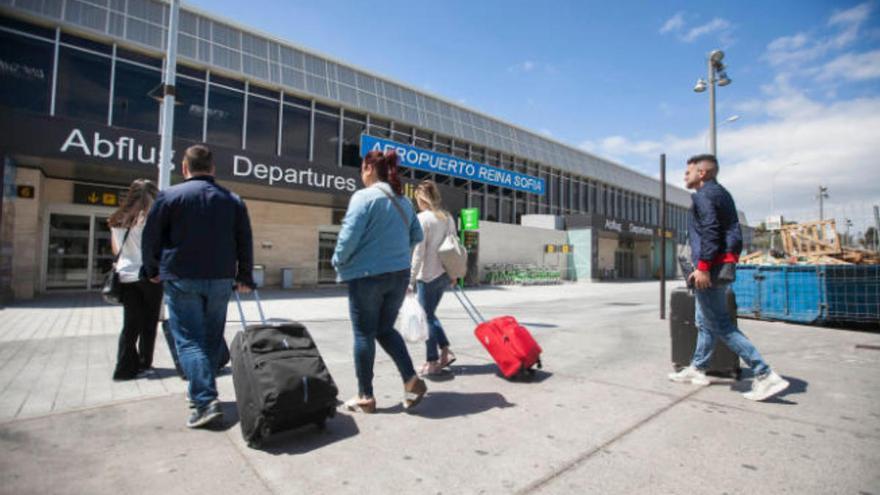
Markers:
point(387, 168)
point(392, 164)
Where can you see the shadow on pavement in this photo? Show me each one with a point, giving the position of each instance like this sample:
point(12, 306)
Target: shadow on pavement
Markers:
point(230, 417)
point(491, 369)
point(538, 325)
point(796, 386)
point(442, 405)
point(308, 438)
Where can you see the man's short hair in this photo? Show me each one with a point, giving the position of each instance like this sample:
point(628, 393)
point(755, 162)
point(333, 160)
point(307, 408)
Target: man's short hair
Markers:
point(707, 157)
point(199, 158)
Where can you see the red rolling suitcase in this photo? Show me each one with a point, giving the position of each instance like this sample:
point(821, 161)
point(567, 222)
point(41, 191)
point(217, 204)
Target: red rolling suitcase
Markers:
point(509, 343)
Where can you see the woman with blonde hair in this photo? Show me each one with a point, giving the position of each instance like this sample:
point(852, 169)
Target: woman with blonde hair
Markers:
point(141, 299)
point(428, 276)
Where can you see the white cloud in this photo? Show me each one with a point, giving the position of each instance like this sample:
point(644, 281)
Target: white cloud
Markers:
point(715, 25)
point(525, 66)
point(855, 15)
point(852, 67)
point(674, 23)
point(801, 48)
point(834, 144)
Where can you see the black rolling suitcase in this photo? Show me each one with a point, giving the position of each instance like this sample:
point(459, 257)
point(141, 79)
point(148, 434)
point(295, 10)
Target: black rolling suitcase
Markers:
point(683, 331)
point(280, 379)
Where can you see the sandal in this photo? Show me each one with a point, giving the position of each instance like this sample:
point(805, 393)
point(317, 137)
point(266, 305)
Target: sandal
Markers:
point(361, 404)
point(447, 360)
point(431, 368)
point(413, 392)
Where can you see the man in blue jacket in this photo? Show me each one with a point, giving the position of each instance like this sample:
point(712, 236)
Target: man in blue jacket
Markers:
point(716, 241)
point(197, 241)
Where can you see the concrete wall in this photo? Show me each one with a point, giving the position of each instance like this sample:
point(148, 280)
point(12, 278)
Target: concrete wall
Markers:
point(517, 244)
point(607, 247)
point(27, 241)
point(286, 236)
point(553, 222)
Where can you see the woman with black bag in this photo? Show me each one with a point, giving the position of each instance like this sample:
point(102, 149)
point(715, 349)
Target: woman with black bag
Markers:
point(141, 299)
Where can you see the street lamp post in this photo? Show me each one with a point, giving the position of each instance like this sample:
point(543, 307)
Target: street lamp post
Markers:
point(823, 195)
point(716, 73)
point(168, 95)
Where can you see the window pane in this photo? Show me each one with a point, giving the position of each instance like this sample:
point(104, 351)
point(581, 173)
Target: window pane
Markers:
point(83, 85)
point(295, 133)
point(133, 107)
point(225, 114)
point(326, 139)
point(351, 143)
point(25, 73)
point(262, 125)
point(189, 109)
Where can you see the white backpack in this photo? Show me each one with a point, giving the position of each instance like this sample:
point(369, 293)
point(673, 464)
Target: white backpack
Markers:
point(452, 254)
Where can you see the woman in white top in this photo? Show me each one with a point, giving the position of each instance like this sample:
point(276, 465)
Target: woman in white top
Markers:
point(141, 299)
point(428, 275)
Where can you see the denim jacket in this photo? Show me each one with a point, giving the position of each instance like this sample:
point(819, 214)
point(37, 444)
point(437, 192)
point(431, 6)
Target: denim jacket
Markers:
point(374, 238)
point(713, 228)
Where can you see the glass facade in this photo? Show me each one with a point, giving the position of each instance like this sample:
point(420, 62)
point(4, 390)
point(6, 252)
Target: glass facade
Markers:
point(262, 124)
point(25, 72)
point(83, 90)
point(134, 107)
point(105, 84)
point(295, 134)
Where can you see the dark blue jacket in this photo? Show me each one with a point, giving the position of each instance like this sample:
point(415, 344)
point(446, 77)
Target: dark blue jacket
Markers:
point(198, 230)
point(713, 227)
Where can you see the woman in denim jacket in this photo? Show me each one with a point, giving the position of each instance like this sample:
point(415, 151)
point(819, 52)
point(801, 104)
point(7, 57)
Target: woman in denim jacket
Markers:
point(372, 255)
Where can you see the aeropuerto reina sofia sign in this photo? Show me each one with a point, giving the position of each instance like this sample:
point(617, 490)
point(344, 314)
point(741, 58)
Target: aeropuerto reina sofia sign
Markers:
point(440, 163)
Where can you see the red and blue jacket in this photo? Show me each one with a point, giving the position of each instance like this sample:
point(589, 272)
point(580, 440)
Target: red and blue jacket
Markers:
point(713, 227)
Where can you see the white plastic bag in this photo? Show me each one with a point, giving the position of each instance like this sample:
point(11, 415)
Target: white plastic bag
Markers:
point(412, 323)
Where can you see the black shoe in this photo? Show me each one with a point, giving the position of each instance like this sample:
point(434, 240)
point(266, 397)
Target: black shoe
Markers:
point(205, 416)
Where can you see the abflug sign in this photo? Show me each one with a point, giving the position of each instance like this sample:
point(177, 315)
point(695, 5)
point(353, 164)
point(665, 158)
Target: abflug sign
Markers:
point(430, 161)
point(54, 137)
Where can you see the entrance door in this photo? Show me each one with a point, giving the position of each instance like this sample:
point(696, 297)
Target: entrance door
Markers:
point(78, 249)
point(326, 246)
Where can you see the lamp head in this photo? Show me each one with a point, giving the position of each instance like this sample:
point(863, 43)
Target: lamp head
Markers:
point(716, 56)
point(700, 86)
point(723, 80)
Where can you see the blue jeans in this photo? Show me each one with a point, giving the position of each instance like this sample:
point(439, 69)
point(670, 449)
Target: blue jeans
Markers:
point(197, 315)
point(430, 294)
point(373, 303)
point(713, 320)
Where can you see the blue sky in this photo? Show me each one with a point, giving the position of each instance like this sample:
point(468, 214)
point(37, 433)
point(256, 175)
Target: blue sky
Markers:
point(616, 79)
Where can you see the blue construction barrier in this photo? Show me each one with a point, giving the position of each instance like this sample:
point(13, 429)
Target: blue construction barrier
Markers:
point(809, 293)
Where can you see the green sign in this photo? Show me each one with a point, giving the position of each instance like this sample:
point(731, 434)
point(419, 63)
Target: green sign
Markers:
point(470, 219)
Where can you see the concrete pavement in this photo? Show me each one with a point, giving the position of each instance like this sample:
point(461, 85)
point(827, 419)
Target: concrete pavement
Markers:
point(600, 418)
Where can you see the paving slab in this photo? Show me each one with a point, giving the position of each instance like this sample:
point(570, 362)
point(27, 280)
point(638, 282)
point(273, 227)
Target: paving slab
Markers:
point(601, 417)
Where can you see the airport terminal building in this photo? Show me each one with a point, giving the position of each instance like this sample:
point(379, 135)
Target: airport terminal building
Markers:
point(79, 120)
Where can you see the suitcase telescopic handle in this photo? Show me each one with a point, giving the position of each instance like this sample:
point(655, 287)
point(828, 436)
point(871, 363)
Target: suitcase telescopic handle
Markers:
point(241, 310)
point(468, 305)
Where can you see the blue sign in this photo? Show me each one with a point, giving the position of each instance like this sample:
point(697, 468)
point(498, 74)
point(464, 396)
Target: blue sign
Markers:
point(440, 163)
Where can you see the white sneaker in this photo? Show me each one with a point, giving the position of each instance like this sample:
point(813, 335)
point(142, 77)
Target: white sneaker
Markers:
point(767, 386)
point(690, 375)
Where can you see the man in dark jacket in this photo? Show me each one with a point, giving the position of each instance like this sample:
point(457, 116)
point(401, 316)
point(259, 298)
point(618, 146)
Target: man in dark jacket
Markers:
point(197, 241)
point(716, 241)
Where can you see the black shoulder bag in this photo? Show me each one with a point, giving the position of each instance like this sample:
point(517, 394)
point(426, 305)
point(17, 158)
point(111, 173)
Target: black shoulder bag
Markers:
point(112, 289)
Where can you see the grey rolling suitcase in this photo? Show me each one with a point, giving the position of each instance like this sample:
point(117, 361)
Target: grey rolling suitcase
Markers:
point(683, 332)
